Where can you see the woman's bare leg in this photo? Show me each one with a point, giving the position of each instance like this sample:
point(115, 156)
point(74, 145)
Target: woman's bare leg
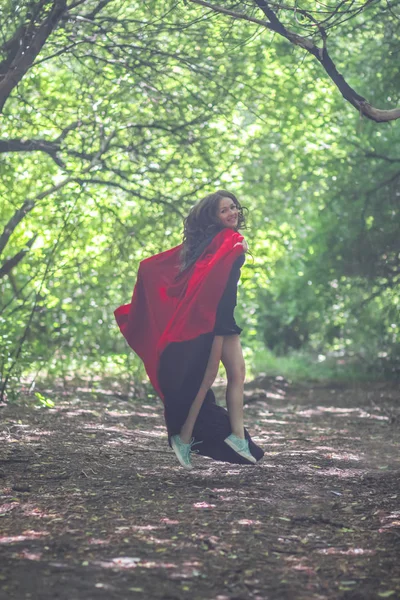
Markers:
point(233, 361)
point(208, 379)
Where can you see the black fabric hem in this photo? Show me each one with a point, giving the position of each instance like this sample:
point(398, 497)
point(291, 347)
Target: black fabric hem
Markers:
point(225, 331)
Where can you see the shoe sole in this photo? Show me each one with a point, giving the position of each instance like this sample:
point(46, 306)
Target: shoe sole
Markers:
point(243, 454)
point(184, 465)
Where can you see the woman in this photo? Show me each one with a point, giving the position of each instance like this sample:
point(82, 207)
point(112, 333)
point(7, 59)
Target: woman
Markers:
point(181, 323)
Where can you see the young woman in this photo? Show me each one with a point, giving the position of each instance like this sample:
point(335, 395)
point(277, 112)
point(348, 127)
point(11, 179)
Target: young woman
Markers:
point(181, 323)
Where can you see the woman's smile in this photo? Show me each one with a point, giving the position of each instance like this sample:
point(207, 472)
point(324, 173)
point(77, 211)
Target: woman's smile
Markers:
point(228, 213)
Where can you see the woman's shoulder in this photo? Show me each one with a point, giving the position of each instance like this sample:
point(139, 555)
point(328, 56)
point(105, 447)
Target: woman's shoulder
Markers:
point(228, 236)
point(226, 242)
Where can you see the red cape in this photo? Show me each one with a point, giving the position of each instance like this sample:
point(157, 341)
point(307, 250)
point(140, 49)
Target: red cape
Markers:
point(170, 307)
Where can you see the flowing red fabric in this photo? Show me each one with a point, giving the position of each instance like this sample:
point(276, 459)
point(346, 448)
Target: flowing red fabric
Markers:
point(170, 307)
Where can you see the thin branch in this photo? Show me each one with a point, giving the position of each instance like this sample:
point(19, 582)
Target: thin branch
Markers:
point(115, 184)
point(27, 329)
point(382, 157)
point(9, 264)
point(27, 206)
point(380, 289)
point(17, 217)
point(232, 13)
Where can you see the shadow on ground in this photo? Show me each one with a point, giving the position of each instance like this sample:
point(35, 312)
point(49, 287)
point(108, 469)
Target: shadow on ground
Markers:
point(94, 505)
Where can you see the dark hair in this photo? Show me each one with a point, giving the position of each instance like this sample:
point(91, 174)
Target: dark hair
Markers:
point(202, 224)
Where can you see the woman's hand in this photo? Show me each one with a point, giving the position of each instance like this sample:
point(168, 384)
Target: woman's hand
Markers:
point(242, 243)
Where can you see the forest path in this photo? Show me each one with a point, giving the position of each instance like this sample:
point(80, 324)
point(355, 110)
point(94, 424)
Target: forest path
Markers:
point(94, 504)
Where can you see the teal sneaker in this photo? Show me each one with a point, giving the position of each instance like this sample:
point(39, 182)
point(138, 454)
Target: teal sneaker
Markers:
point(182, 451)
point(240, 446)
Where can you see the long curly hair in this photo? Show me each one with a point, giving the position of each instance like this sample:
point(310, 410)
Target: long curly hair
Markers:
point(202, 224)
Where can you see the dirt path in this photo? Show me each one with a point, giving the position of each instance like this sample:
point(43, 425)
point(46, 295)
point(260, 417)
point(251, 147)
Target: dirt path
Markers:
point(94, 505)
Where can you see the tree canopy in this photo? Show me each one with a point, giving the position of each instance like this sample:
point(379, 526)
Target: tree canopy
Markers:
point(117, 116)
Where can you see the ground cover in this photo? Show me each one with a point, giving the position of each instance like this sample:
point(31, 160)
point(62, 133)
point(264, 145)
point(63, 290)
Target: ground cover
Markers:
point(93, 504)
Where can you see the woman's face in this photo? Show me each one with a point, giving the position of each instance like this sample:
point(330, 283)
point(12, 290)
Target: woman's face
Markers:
point(227, 213)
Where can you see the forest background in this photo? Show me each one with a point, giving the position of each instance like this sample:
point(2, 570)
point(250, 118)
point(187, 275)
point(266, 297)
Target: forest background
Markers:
point(117, 116)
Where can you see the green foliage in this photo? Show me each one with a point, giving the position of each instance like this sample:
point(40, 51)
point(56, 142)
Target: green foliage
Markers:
point(43, 401)
point(304, 366)
point(134, 113)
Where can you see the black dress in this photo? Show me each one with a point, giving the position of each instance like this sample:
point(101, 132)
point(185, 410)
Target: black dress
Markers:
point(225, 323)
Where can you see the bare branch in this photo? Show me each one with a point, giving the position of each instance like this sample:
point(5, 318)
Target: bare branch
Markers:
point(321, 54)
point(9, 264)
point(98, 9)
point(50, 148)
point(26, 44)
